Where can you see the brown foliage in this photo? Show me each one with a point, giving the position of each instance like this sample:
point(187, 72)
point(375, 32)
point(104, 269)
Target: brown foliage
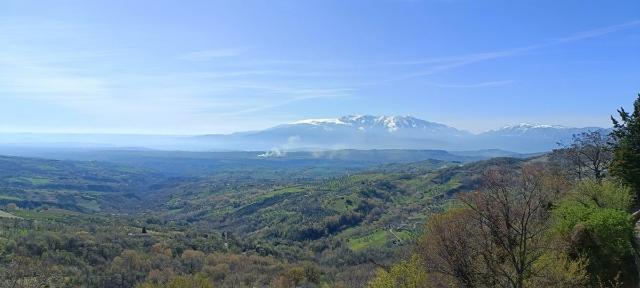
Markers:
point(496, 238)
point(448, 248)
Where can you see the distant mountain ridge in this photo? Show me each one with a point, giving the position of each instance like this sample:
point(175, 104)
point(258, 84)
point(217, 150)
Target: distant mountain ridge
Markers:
point(389, 123)
point(530, 137)
point(403, 132)
point(347, 132)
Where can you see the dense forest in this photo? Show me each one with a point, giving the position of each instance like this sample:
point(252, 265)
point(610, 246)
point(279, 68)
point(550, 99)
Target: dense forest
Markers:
point(133, 219)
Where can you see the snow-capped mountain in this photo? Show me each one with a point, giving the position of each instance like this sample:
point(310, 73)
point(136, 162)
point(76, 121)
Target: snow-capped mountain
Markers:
point(347, 132)
point(384, 124)
point(523, 128)
point(400, 132)
point(358, 132)
point(529, 137)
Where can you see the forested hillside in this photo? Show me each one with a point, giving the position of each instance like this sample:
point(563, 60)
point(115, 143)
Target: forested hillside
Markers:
point(339, 228)
point(558, 219)
point(77, 186)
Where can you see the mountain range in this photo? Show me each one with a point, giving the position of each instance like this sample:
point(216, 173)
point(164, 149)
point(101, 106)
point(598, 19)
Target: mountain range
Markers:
point(398, 132)
point(347, 132)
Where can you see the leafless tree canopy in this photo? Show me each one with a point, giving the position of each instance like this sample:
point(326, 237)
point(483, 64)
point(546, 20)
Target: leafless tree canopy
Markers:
point(494, 240)
point(588, 156)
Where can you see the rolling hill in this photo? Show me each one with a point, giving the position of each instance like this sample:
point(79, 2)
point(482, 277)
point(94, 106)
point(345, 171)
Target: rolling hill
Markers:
point(347, 222)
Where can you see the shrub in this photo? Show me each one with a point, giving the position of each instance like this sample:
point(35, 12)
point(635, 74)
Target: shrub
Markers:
point(406, 274)
point(603, 236)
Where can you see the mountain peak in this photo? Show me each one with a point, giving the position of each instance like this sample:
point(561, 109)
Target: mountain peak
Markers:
point(319, 121)
point(528, 126)
point(373, 122)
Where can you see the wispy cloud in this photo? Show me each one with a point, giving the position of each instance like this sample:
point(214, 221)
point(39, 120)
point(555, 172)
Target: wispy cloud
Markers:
point(283, 102)
point(206, 55)
point(597, 32)
point(471, 85)
point(108, 86)
point(435, 65)
point(103, 85)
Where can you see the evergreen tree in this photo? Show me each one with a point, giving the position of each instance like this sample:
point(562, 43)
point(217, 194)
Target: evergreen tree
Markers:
point(626, 158)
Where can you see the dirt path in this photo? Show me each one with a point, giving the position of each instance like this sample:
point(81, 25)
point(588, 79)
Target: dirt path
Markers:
point(7, 215)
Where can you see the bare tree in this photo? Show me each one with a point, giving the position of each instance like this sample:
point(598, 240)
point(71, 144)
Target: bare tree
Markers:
point(588, 156)
point(511, 212)
point(495, 240)
point(23, 272)
point(568, 161)
point(449, 249)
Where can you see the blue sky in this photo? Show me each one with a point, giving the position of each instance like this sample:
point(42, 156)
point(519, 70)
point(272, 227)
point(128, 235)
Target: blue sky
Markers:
point(190, 67)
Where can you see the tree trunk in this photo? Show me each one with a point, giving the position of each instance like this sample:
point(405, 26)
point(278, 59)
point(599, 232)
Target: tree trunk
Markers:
point(635, 216)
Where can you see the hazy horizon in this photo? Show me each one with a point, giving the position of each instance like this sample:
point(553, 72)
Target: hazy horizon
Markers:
point(299, 121)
